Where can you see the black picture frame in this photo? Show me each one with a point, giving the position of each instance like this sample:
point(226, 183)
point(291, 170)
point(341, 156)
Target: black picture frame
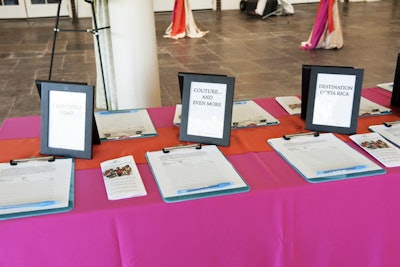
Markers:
point(395, 99)
point(38, 84)
point(334, 99)
point(67, 119)
point(95, 133)
point(207, 100)
point(182, 74)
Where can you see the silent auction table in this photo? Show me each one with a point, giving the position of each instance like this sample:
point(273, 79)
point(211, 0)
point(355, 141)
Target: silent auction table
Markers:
point(282, 221)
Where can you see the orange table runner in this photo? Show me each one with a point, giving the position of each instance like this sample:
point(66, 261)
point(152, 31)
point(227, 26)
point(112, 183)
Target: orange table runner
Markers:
point(242, 140)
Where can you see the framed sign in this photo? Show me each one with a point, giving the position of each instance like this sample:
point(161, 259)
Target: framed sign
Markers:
point(207, 109)
point(181, 77)
point(95, 132)
point(38, 84)
point(334, 99)
point(395, 100)
point(305, 86)
point(66, 119)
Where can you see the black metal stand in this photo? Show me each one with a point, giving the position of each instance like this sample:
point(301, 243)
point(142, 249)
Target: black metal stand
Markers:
point(94, 31)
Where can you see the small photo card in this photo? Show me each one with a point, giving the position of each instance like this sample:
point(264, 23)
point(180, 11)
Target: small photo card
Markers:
point(207, 109)
point(122, 178)
point(334, 99)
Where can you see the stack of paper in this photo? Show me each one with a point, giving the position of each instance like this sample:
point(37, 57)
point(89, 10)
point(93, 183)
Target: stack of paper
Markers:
point(324, 157)
point(245, 113)
point(377, 146)
point(184, 173)
point(369, 108)
point(386, 86)
point(36, 187)
point(292, 104)
point(124, 124)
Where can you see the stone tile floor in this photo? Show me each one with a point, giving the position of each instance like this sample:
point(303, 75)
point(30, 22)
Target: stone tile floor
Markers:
point(263, 55)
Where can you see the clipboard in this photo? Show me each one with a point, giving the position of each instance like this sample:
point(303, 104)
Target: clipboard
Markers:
point(323, 157)
point(211, 174)
point(370, 108)
point(291, 104)
point(248, 114)
point(29, 209)
point(124, 124)
point(245, 114)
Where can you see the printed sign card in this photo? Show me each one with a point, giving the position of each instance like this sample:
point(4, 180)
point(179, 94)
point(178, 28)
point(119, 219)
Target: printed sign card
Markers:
point(207, 109)
point(122, 178)
point(334, 99)
point(305, 86)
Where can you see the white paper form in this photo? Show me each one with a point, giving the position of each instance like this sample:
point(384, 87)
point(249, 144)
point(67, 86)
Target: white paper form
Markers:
point(35, 185)
point(122, 124)
point(66, 116)
point(292, 104)
point(370, 108)
point(337, 107)
point(207, 112)
point(187, 171)
point(177, 114)
point(391, 132)
point(386, 86)
point(381, 149)
point(247, 113)
point(122, 178)
point(324, 156)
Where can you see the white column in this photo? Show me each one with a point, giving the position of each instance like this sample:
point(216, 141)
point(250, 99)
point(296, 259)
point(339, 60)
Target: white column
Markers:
point(134, 49)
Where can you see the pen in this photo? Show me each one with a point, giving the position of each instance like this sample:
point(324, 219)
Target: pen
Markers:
point(220, 185)
point(390, 123)
point(123, 137)
point(29, 205)
point(353, 168)
point(118, 111)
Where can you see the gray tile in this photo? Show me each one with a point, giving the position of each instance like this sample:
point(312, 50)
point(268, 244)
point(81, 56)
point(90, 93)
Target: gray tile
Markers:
point(262, 55)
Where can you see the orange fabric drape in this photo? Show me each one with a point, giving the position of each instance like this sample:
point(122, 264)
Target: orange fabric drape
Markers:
point(331, 23)
point(242, 141)
point(178, 18)
point(183, 24)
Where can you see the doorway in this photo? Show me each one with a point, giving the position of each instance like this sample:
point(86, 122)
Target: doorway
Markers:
point(17, 9)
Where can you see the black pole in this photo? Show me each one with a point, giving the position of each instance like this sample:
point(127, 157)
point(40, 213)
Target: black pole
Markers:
point(96, 33)
point(55, 38)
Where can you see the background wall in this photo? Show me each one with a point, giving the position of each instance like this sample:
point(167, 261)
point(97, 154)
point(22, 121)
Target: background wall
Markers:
point(83, 9)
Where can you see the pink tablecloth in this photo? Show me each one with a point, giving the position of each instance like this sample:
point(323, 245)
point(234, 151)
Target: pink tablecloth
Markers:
point(282, 221)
